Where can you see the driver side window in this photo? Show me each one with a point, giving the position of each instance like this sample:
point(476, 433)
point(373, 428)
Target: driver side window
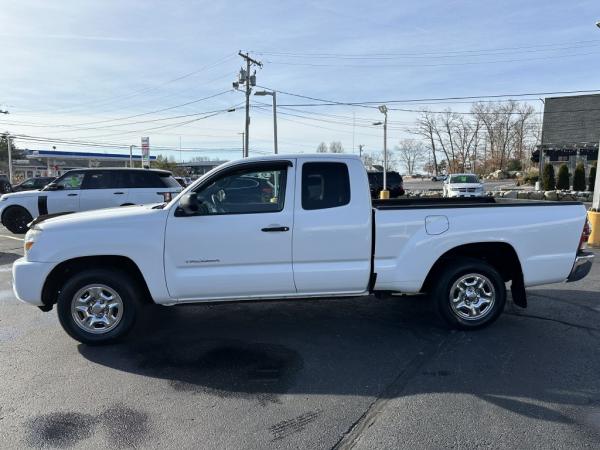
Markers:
point(70, 181)
point(246, 191)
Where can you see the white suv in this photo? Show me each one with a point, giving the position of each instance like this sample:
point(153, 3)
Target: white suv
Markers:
point(85, 189)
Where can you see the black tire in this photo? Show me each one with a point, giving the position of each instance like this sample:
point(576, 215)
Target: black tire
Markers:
point(120, 284)
point(454, 307)
point(6, 187)
point(16, 218)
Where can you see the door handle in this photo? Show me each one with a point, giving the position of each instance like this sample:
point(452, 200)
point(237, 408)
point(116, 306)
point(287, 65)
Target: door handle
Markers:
point(118, 193)
point(269, 229)
point(71, 195)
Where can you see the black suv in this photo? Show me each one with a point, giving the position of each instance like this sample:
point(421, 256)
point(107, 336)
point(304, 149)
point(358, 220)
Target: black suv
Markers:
point(33, 184)
point(394, 181)
point(4, 184)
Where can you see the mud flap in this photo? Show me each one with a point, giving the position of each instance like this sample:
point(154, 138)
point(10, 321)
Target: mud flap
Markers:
point(517, 289)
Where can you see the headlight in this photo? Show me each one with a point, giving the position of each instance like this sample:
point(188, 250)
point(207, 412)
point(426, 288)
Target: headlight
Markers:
point(30, 238)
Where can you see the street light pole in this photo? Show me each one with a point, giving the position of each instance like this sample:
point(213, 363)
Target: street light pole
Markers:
point(540, 183)
point(131, 156)
point(274, 95)
point(384, 194)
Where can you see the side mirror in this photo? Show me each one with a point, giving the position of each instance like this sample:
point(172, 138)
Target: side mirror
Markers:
point(189, 204)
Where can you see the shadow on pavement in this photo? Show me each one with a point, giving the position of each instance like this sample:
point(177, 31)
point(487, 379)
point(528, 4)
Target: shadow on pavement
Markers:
point(529, 362)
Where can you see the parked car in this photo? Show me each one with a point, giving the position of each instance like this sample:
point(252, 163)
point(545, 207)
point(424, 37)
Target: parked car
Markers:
point(463, 185)
point(181, 181)
point(5, 184)
point(395, 184)
point(85, 189)
point(439, 177)
point(317, 233)
point(32, 184)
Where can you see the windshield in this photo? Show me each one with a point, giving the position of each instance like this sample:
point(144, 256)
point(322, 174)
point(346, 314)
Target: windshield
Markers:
point(464, 179)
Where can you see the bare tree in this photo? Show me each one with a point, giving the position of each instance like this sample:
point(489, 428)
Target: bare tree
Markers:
point(425, 129)
point(322, 148)
point(336, 147)
point(410, 153)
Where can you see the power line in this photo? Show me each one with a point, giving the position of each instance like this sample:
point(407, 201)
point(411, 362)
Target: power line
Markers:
point(145, 90)
point(463, 63)
point(440, 52)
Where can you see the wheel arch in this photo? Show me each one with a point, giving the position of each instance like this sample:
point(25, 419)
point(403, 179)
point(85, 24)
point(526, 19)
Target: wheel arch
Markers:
point(66, 269)
point(500, 255)
point(12, 207)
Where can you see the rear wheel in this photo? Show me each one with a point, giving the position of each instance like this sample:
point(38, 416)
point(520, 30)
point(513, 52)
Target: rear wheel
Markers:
point(98, 306)
point(16, 218)
point(469, 293)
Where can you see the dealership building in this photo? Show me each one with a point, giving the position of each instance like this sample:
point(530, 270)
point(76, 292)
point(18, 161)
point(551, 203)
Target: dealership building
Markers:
point(570, 131)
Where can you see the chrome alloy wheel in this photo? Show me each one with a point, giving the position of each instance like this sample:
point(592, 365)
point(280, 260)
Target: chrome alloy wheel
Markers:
point(472, 296)
point(97, 308)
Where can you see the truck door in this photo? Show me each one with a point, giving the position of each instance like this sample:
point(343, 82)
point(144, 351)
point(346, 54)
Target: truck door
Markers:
point(332, 227)
point(239, 245)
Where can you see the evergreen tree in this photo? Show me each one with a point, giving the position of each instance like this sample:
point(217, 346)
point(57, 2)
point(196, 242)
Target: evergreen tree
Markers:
point(579, 178)
point(548, 179)
point(592, 178)
point(563, 178)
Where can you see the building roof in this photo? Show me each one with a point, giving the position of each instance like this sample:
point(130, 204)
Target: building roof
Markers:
point(573, 120)
point(63, 154)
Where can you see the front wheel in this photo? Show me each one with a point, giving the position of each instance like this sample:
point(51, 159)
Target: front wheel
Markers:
point(98, 306)
point(15, 219)
point(469, 293)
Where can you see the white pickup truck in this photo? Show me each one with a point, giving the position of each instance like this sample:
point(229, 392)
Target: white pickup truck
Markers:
point(289, 227)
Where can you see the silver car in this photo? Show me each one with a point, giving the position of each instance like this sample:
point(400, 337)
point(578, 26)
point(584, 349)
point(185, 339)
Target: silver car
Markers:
point(463, 185)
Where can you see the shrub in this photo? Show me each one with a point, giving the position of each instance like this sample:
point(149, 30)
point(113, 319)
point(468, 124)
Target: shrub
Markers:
point(514, 165)
point(592, 178)
point(563, 178)
point(548, 180)
point(579, 178)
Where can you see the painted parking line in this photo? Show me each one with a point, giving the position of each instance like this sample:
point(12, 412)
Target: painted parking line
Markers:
point(10, 237)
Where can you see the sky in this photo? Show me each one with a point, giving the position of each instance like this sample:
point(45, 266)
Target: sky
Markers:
point(98, 75)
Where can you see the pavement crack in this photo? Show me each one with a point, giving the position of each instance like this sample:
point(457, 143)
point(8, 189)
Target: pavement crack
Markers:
point(550, 319)
point(349, 439)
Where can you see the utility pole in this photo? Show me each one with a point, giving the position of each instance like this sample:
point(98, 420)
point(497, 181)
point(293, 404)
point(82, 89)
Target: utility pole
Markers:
point(131, 156)
point(249, 81)
point(7, 135)
point(243, 144)
point(360, 147)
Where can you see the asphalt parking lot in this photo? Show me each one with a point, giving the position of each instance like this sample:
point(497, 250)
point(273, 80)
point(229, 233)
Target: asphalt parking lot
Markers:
point(328, 373)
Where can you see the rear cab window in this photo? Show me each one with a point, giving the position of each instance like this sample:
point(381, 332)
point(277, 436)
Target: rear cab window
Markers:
point(325, 185)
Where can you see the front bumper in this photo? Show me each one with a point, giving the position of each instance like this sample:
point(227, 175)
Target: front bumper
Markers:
point(453, 194)
point(28, 280)
point(581, 267)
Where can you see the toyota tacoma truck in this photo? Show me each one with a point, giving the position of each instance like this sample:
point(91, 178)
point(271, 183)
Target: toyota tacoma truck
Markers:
point(291, 227)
